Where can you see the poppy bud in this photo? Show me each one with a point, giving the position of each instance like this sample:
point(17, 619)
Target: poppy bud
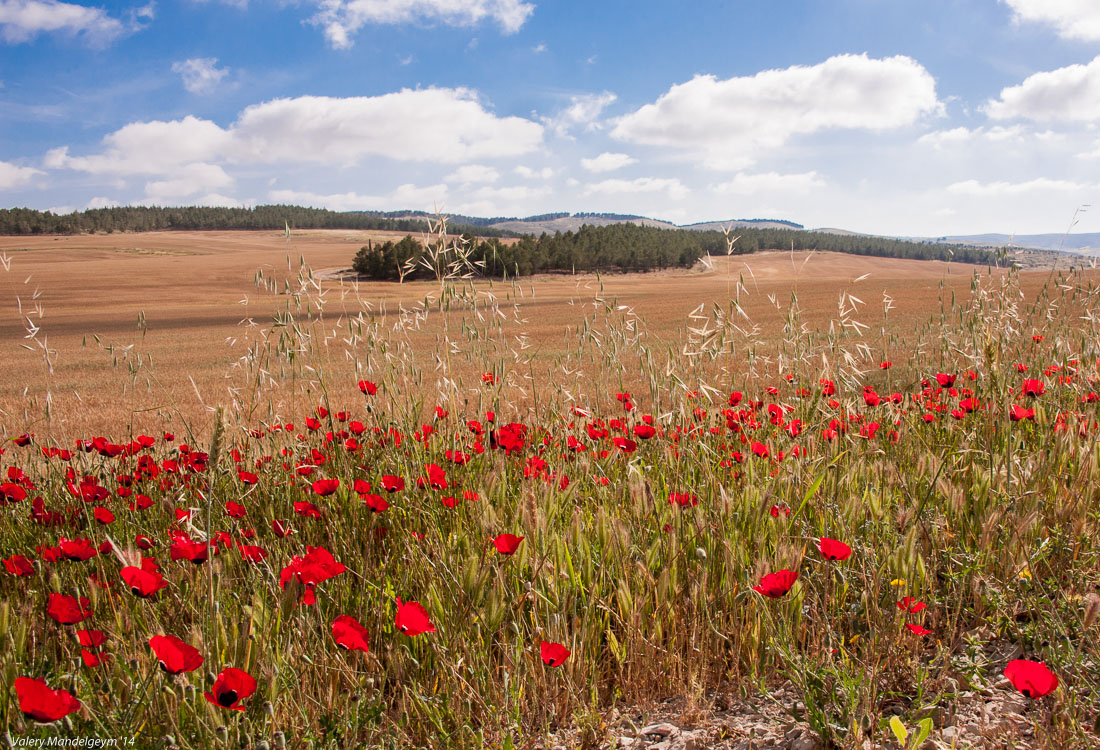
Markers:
point(700, 553)
point(280, 740)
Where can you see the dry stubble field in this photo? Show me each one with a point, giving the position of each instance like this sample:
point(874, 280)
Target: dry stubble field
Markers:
point(156, 321)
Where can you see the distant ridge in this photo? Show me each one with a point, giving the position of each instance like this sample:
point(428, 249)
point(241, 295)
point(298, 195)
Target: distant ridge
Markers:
point(1070, 243)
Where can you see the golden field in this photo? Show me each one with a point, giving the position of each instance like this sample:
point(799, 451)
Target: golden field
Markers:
point(151, 328)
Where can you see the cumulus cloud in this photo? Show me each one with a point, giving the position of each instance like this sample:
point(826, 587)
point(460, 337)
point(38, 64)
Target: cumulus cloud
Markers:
point(200, 75)
point(1041, 185)
point(728, 123)
point(153, 147)
point(1069, 94)
point(771, 182)
point(942, 139)
point(583, 111)
point(1073, 19)
point(23, 20)
point(670, 186)
point(405, 196)
point(100, 201)
point(12, 176)
point(186, 182)
point(469, 174)
point(528, 173)
point(447, 126)
point(607, 162)
point(342, 19)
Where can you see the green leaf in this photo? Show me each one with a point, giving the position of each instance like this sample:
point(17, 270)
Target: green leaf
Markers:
point(925, 729)
point(899, 730)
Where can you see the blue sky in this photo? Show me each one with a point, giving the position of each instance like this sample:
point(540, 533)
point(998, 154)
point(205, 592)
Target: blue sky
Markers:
point(911, 117)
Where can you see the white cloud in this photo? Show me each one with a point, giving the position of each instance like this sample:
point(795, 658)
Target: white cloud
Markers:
point(448, 126)
point(1040, 185)
point(432, 125)
point(404, 197)
point(670, 186)
point(473, 173)
point(531, 174)
point(607, 162)
point(771, 182)
point(1069, 94)
point(583, 110)
point(200, 75)
point(1073, 19)
point(942, 139)
point(23, 20)
point(341, 19)
point(185, 182)
point(12, 176)
point(501, 201)
point(101, 202)
point(728, 123)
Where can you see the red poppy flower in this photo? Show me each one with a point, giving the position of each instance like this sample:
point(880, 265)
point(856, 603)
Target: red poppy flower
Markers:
point(831, 549)
point(412, 619)
point(38, 702)
point(368, 387)
point(325, 487)
point(230, 688)
point(68, 610)
point(282, 529)
point(393, 483)
point(507, 544)
point(11, 493)
point(625, 444)
point(349, 634)
point(1032, 678)
point(376, 503)
point(174, 655)
point(775, 585)
point(912, 605)
point(1017, 413)
point(103, 515)
point(143, 583)
point(307, 509)
point(553, 654)
point(18, 565)
point(917, 629)
point(945, 380)
point(644, 431)
point(683, 499)
point(1033, 387)
point(91, 638)
point(247, 477)
point(778, 510)
point(185, 549)
point(92, 658)
point(77, 549)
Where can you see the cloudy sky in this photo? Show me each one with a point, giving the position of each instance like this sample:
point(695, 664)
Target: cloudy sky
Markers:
point(916, 117)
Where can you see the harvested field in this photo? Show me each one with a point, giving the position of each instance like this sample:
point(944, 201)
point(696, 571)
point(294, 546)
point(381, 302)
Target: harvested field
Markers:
point(157, 320)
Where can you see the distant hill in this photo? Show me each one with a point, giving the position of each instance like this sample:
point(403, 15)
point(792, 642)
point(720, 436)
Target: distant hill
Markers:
point(709, 226)
point(1070, 243)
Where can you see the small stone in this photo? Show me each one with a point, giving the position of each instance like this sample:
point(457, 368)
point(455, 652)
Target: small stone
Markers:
point(660, 730)
point(804, 741)
point(625, 742)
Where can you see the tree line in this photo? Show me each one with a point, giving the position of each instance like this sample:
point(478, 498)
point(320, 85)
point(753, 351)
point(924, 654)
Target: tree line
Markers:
point(614, 247)
point(156, 218)
point(622, 247)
